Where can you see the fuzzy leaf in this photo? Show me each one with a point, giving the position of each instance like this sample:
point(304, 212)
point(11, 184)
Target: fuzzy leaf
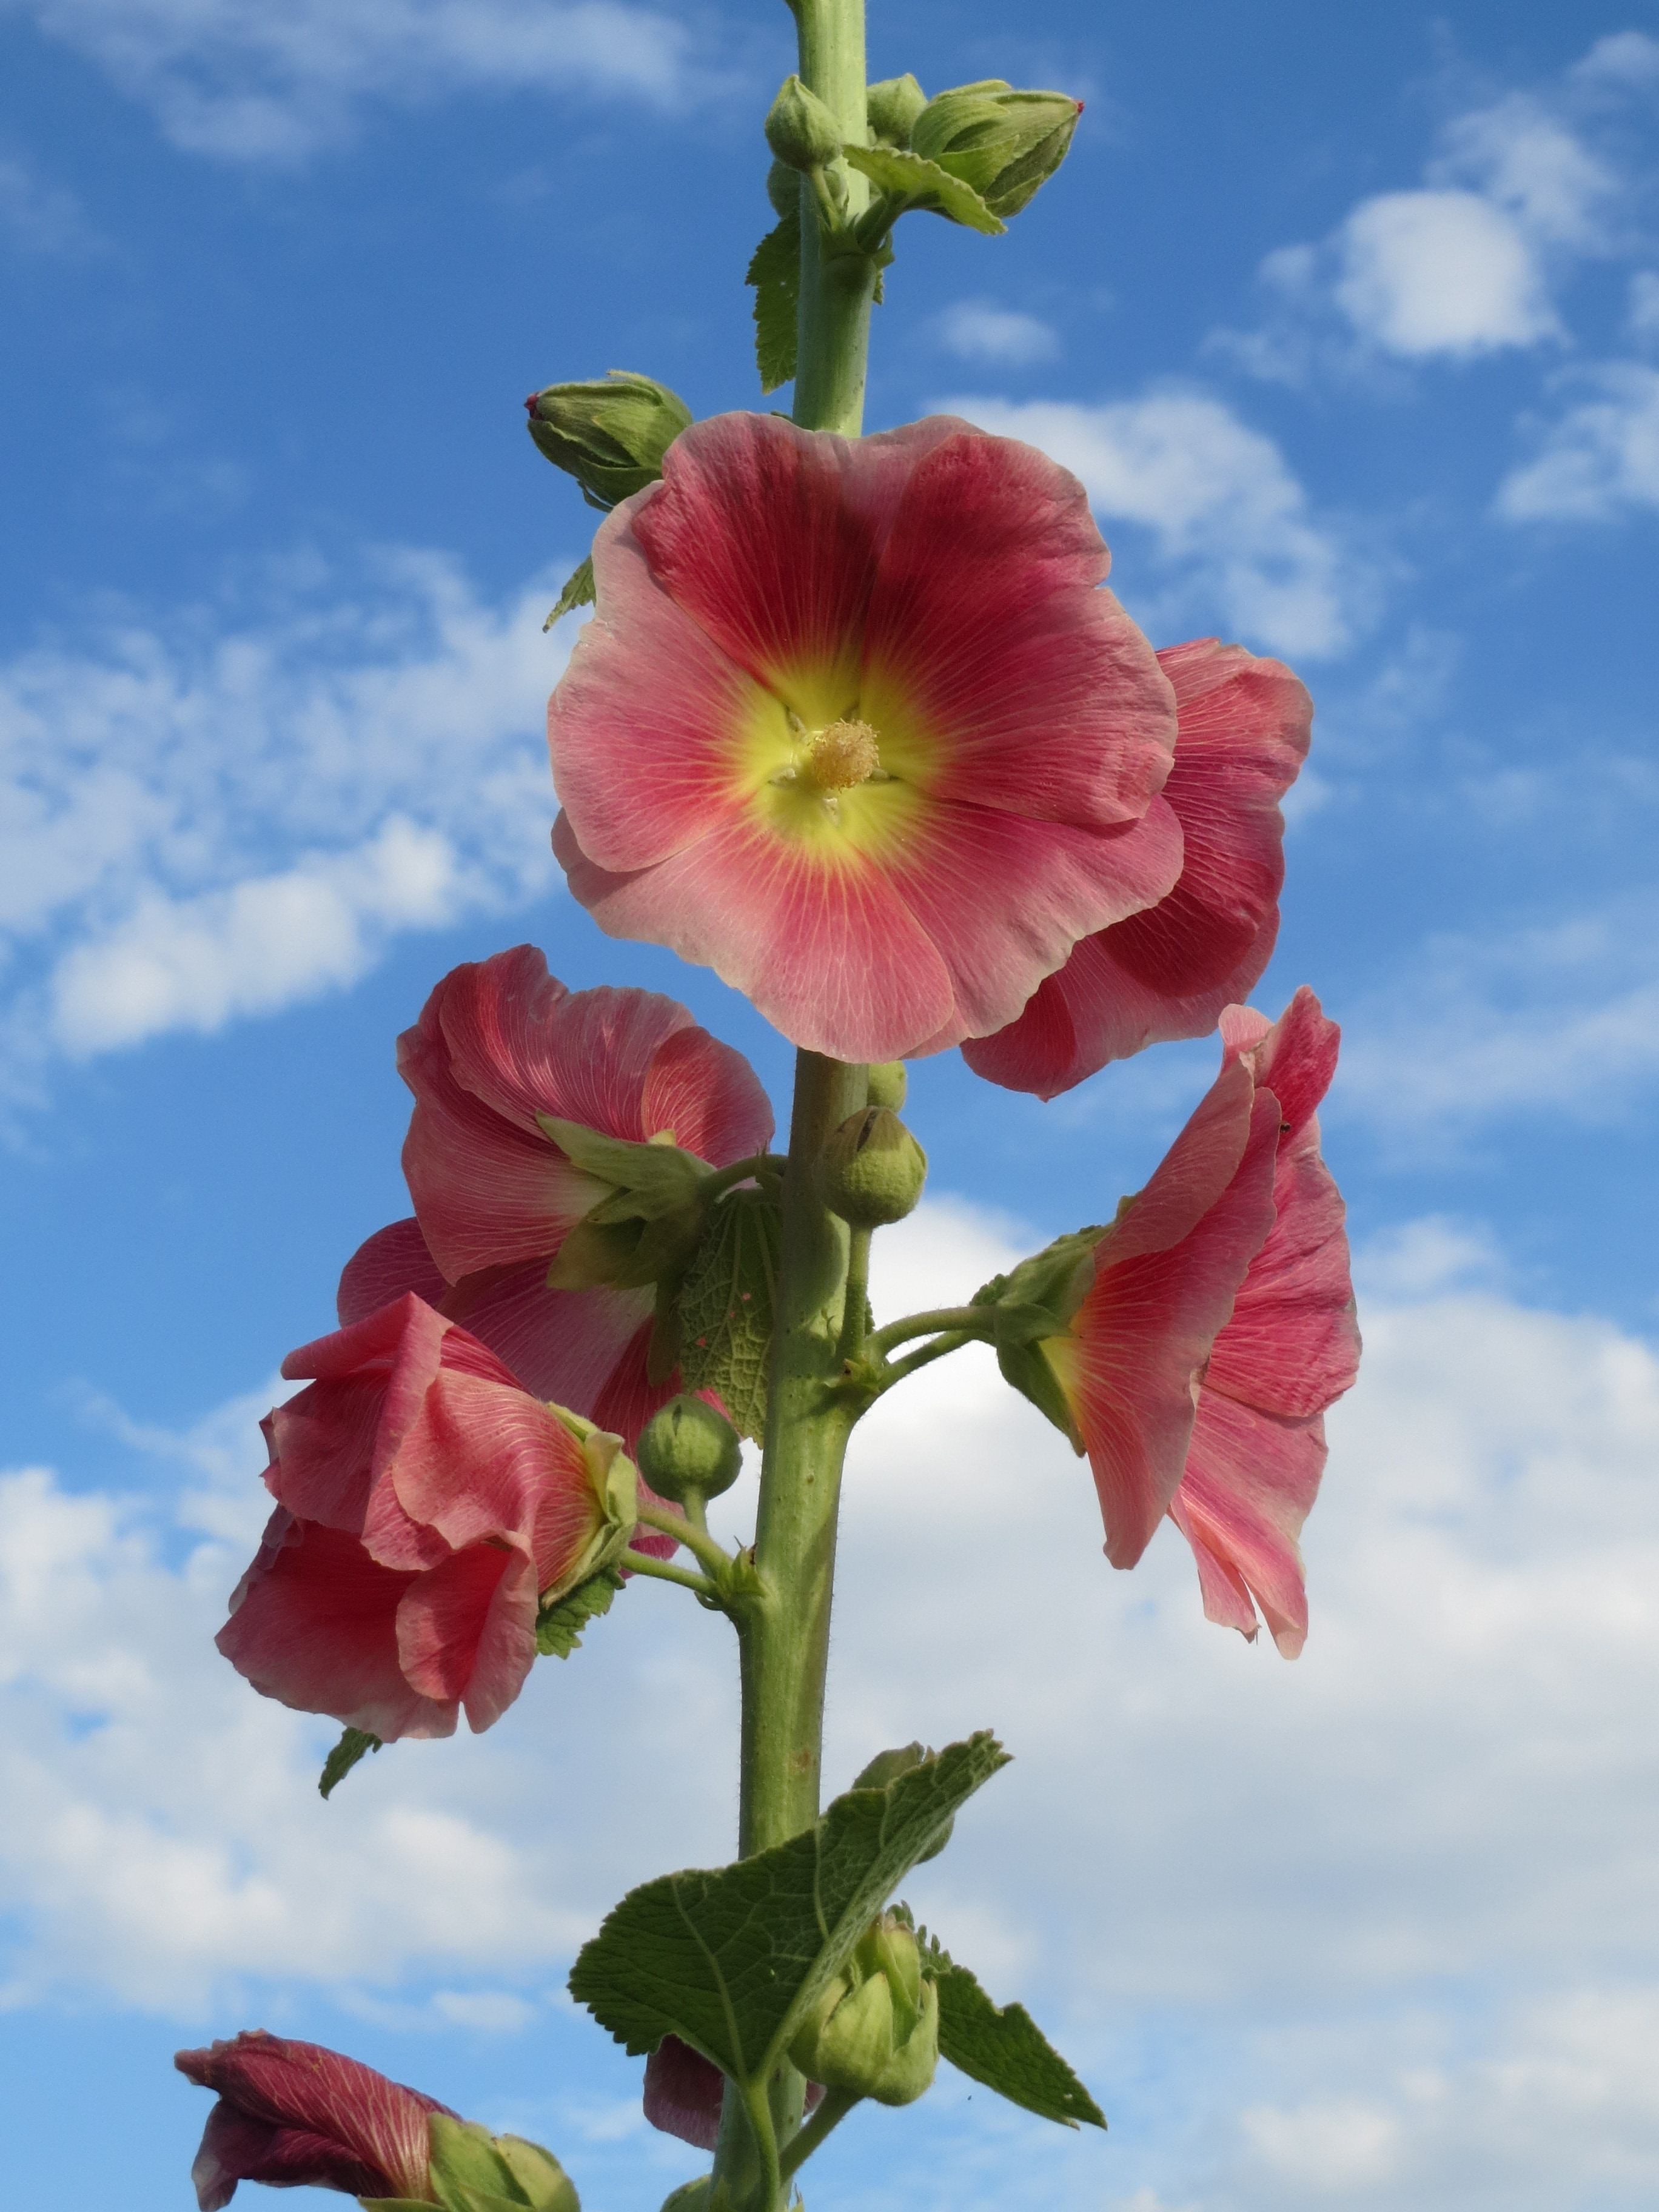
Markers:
point(733, 1959)
point(1003, 2047)
point(726, 1309)
point(578, 593)
point(915, 183)
point(774, 272)
point(558, 1631)
point(354, 1744)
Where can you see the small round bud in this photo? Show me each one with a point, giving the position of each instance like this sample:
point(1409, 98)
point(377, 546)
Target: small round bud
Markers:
point(688, 1448)
point(871, 1170)
point(875, 2031)
point(783, 189)
point(888, 1084)
point(610, 434)
point(892, 107)
point(801, 130)
point(1004, 143)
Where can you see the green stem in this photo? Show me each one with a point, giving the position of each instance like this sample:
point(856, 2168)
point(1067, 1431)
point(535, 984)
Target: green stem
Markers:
point(700, 1545)
point(953, 1341)
point(856, 1309)
point(837, 2103)
point(837, 280)
point(664, 1571)
point(959, 1321)
point(741, 1171)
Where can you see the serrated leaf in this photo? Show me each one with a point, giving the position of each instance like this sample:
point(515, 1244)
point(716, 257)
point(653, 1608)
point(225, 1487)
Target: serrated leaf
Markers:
point(725, 1307)
point(1003, 2046)
point(354, 1744)
point(731, 1959)
point(774, 272)
point(579, 591)
point(559, 1630)
point(915, 182)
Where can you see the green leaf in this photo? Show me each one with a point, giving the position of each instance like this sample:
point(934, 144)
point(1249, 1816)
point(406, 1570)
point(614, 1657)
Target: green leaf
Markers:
point(578, 593)
point(354, 1744)
point(725, 1307)
point(731, 1960)
point(1003, 2046)
point(774, 272)
point(558, 1631)
point(913, 183)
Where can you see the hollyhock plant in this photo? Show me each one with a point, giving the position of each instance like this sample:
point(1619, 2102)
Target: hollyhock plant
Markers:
point(1168, 972)
point(427, 1505)
point(298, 2116)
point(856, 725)
point(1289, 1350)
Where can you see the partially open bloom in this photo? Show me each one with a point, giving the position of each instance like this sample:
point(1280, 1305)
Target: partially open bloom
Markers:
point(1289, 1350)
point(1168, 971)
point(855, 726)
point(297, 2116)
point(426, 1504)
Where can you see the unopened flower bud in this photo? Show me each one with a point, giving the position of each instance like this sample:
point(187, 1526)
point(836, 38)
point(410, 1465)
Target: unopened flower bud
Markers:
point(887, 1766)
point(688, 1448)
point(801, 130)
point(875, 2031)
point(1004, 143)
point(610, 434)
point(888, 1084)
point(871, 1170)
point(783, 189)
point(893, 106)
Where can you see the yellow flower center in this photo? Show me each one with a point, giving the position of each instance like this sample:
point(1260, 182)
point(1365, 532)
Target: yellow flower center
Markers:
point(841, 758)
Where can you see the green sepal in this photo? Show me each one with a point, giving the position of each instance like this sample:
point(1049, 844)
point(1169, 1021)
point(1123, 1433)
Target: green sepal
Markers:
point(774, 272)
point(473, 2171)
point(1003, 143)
point(579, 591)
point(724, 1311)
point(1024, 1367)
point(647, 1179)
point(886, 1766)
point(733, 1960)
point(609, 434)
point(354, 1744)
point(1049, 1286)
point(559, 1625)
point(909, 181)
point(1002, 2047)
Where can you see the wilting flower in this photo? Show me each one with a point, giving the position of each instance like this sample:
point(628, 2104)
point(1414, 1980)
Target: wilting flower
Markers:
point(1168, 971)
point(500, 1043)
point(296, 2116)
point(426, 1504)
point(855, 726)
point(1289, 1350)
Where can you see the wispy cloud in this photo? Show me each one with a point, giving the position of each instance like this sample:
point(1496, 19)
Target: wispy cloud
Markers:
point(979, 329)
point(37, 217)
point(1600, 459)
point(1229, 526)
point(240, 81)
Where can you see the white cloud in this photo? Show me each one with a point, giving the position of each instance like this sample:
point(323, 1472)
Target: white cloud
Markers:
point(1225, 513)
point(242, 81)
point(1625, 59)
point(1599, 459)
point(979, 329)
point(1642, 312)
point(38, 217)
point(1440, 272)
point(203, 819)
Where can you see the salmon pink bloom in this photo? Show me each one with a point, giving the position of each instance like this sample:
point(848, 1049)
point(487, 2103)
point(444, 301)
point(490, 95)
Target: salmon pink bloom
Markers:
point(297, 2116)
point(1168, 971)
point(425, 1505)
point(855, 725)
point(1289, 1350)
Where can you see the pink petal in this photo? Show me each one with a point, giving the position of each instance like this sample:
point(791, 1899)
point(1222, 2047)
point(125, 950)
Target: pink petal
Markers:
point(1017, 683)
point(1193, 1174)
point(708, 1096)
point(496, 1017)
point(1295, 1058)
point(236, 2148)
point(312, 1624)
point(682, 2093)
point(563, 1345)
point(1249, 1484)
point(467, 1631)
point(321, 2093)
point(392, 1262)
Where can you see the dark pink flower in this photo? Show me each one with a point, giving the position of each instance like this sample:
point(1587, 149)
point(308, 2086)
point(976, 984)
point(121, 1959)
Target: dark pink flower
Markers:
point(426, 1504)
point(296, 2116)
point(683, 2092)
point(1168, 971)
point(855, 726)
point(1291, 1349)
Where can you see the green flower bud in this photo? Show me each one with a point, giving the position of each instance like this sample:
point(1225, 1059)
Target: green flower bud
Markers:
point(1004, 143)
point(888, 1084)
point(473, 2171)
point(875, 2031)
point(610, 435)
point(783, 189)
point(887, 1766)
point(893, 106)
point(688, 1448)
point(800, 130)
point(871, 1170)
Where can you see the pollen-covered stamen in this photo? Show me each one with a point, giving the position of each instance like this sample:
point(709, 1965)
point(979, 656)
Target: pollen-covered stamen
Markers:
point(845, 754)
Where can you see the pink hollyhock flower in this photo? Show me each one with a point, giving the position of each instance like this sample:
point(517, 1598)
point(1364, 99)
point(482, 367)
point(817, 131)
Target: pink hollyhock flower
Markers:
point(1168, 971)
point(855, 726)
point(426, 1504)
point(296, 2116)
point(1291, 1349)
point(683, 2091)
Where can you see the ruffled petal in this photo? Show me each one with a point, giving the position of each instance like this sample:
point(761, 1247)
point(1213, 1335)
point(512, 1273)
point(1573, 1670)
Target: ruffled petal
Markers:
point(708, 1096)
point(386, 1268)
point(235, 2149)
point(467, 1631)
point(1295, 1056)
point(1249, 1484)
point(486, 1463)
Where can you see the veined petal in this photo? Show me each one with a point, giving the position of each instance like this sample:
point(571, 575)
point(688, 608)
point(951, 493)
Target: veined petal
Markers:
point(487, 1462)
point(495, 1017)
point(1295, 1056)
point(708, 1096)
point(1249, 1484)
point(386, 1268)
point(561, 1345)
point(235, 2148)
point(467, 1631)
point(682, 2093)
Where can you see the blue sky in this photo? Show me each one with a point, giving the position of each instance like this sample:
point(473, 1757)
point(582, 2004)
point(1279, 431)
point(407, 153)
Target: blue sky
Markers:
point(1349, 319)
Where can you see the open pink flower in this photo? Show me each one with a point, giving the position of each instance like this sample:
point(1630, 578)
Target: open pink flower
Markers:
point(855, 726)
point(1289, 1350)
point(297, 2116)
point(425, 1505)
point(1168, 971)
